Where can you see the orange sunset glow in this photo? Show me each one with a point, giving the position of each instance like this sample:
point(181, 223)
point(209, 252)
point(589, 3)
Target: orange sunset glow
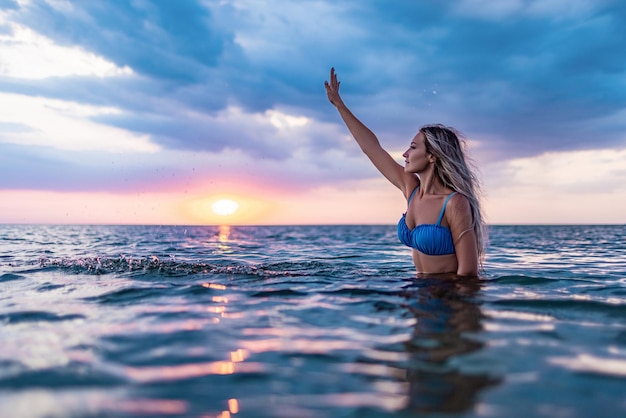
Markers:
point(365, 202)
point(319, 206)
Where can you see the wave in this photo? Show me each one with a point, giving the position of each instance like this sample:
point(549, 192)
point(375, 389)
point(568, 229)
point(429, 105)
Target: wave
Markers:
point(8, 277)
point(522, 280)
point(138, 266)
point(577, 307)
point(36, 316)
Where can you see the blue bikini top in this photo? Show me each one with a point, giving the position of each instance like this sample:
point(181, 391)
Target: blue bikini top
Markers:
point(430, 239)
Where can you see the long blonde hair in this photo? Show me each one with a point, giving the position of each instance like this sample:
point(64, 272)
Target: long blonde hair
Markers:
point(452, 168)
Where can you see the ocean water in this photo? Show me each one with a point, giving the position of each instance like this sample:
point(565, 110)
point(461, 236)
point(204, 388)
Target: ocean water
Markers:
point(305, 321)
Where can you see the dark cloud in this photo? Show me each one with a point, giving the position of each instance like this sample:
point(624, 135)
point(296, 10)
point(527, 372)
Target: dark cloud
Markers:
point(527, 81)
point(171, 41)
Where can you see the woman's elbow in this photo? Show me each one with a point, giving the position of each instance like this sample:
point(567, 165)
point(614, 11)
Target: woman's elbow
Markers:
point(467, 270)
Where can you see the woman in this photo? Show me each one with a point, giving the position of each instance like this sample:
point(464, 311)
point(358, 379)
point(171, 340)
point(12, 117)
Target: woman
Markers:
point(443, 222)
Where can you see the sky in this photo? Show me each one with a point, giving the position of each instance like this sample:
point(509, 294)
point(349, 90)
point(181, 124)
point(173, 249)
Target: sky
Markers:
point(150, 112)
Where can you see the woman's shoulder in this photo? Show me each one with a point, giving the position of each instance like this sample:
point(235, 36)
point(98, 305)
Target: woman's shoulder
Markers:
point(458, 204)
point(458, 212)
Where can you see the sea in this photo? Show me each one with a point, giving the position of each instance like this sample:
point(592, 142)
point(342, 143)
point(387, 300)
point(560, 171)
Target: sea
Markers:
point(308, 322)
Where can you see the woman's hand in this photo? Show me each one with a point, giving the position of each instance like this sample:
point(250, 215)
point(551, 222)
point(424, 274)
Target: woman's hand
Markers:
point(332, 89)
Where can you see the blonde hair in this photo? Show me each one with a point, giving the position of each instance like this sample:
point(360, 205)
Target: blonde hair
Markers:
point(452, 168)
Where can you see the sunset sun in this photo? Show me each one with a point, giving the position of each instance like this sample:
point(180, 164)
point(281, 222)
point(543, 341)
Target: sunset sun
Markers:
point(225, 207)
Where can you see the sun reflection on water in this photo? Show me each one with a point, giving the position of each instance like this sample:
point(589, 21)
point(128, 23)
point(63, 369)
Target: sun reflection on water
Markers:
point(186, 371)
point(223, 238)
point(224, 233)
point(233, 408)
point(214, 286)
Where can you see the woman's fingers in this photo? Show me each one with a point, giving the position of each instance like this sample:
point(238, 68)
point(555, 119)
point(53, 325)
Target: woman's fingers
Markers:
point(333, 85)
point(333, 78)
point(332, 88)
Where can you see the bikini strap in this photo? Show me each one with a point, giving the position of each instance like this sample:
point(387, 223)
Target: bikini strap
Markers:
point(443, 209)
point(412, 194)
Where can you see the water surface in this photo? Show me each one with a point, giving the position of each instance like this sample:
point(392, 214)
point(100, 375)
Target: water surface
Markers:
point(307, 322)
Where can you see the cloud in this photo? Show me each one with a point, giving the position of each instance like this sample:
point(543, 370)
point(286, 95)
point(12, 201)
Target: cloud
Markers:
point(26, 54)
point(554, 9)
point(167, 40)
point(592, 171)
point(558, 187)
point(47, 168)
point(534, 79)
point(527, 68)
point(65, 125)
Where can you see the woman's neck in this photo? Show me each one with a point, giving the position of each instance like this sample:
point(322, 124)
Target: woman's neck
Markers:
point(430, 183)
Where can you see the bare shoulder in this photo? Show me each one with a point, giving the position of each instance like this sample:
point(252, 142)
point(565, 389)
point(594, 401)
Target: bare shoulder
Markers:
point(458, 203)
point(458, 209)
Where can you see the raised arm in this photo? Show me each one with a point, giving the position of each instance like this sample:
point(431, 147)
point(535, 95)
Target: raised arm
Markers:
point(368, 142)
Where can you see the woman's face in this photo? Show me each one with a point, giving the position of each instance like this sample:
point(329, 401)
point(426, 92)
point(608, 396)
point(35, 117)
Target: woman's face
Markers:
point(416, 158)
